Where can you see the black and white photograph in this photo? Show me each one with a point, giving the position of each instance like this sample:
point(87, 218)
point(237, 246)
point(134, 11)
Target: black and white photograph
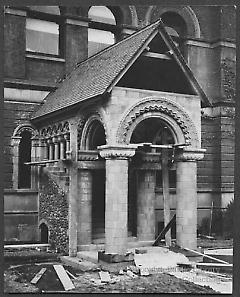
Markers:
point(119, 148)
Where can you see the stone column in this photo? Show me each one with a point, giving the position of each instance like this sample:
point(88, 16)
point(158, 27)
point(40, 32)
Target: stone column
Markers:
point(51, 149)
point(62, 147)
point(73, 190)
point(35, 157)
point(67, 138)
point(116, 209)
point(15, 144)
point(56, 148)
point(43, 149)
point(85, 207)
point(186, 190)
point(146, 205)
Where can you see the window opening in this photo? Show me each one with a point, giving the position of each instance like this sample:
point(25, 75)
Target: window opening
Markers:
point(43, 28)
point(102, 29)
point(24, 171)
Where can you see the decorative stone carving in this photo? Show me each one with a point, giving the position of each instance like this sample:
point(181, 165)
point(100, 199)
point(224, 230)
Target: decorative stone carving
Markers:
point(117, 152)
point(228, 69)
point(164, 106)
point(88, 155)
point(190, 154)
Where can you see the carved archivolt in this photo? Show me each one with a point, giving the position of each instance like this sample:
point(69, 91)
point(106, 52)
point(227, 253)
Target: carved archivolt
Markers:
point(157, 107)
point(86, 124)
point(24, 127)
point(54, 130)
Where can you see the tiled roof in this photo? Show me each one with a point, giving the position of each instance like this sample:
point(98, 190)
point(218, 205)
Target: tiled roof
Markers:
point(95, 75)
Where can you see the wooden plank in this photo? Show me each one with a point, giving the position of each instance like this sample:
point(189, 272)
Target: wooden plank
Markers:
point(165, 185)
point(207, 256)
point(157, 55)
point(70, 274)
point(38, 276)
point(162, 234)
point(64, 278)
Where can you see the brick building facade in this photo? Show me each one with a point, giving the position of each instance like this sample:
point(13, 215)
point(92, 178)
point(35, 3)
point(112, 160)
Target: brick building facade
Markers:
point(61, 111)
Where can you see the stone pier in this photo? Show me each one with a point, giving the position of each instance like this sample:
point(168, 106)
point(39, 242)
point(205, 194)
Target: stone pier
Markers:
point(186, 190)
point(116, 210)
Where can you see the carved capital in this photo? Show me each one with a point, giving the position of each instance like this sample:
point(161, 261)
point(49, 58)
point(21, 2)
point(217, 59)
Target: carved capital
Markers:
point(16, 140)
point(88, 155)
point(117, 152)
point(190, 154)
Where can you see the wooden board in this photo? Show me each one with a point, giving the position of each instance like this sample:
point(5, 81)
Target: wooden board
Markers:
point(64, 278)
point(38, 276)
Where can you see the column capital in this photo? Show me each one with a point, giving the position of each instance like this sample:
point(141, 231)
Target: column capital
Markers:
point(16, 140)
point(190, 154)
point(117, 151)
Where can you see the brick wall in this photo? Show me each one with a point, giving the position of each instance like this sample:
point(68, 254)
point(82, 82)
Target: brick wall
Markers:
point(14, 46)
point(14, 115)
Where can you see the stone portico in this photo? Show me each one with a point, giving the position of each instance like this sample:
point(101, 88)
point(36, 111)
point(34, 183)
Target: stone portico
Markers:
point(105, 151)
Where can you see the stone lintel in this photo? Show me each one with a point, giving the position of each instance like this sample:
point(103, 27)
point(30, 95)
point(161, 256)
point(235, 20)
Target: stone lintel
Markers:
point(190, 154)
point(117, 151)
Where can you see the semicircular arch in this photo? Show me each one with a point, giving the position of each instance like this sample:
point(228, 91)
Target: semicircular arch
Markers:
point(165, 109)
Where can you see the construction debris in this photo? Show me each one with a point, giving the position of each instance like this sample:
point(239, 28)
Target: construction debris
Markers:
point(131, 274)
point(140, 251)
point(38, 276)
point(104, 276)
point(64, 278)
point(144, 272)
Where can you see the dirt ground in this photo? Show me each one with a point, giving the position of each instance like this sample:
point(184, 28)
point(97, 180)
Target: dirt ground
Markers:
point(17, 280)
point(22, 265)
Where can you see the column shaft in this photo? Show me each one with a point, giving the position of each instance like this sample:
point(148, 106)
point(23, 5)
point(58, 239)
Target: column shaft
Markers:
point(186, 212)
point(116, 211)
point(85, 207)
point(146, 205)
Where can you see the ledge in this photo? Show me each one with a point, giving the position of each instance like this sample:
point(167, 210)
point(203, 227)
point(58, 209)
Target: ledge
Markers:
point(43, 57)
point(20, 191)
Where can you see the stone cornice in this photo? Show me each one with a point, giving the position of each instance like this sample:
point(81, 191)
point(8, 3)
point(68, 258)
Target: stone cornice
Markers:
point(117, 152)
point(190, 154)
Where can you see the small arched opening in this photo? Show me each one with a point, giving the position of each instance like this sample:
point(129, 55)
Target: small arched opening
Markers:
point(24, 171)
point(95, 136)
point(43, 233)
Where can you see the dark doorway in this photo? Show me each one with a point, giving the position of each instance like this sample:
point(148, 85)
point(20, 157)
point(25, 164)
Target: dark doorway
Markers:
point(132, 202)
point(98, 204)
point(24, 171)
point(43, 233)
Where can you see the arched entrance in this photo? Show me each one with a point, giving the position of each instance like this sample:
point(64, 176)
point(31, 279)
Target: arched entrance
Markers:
point(144, 177)
point(43, 233)
point(94, 136)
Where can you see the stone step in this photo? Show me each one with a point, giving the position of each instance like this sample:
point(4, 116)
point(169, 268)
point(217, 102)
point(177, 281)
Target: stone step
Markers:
point(133, 242)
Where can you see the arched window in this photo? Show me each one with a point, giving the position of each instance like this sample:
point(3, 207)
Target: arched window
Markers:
point(102, 29)
point(176, 28)
point(43, 30)
point(22, 149)
point(24, 171)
